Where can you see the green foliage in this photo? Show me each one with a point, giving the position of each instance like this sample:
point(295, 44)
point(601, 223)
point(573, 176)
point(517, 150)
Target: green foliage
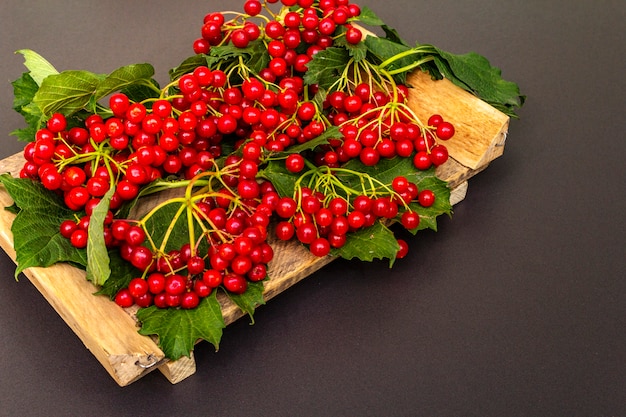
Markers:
point(41, 211)
point(98, 265)
point(375, 242)
point(327, 66)
point(284, 181)
point(368, 17)
point(474, 73)
point(179, 329)
point(24, 90)
point(250, 299)
point(37, 65)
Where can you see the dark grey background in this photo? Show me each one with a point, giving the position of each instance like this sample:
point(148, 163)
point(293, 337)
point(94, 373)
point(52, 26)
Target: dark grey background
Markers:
point(516, 307)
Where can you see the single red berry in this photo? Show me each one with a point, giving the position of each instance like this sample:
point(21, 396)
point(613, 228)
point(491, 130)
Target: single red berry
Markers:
point(353, 35)
point(445, 130)
point(156, 282)
point(57, 123)
point(410, 220)
point(294, 163)
point(426, 198)
point(138, 287)
point(403, 249)
point(234, 283)
point(189, 300)
point(123, 298)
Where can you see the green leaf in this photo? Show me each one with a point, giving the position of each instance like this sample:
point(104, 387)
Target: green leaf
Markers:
point(381, 49)
point(179, 329)
point(250, 299)
point(67, 92)
point(326, 66)
point(387, 169)
point(38, 66)
point(122, 272)
point(368, 17)
point(428, 215)
point(393, 35)
point(255, 55)
point(98, 266)
point(142, 91)
point(258, 57)
point(167, 217)
point(122, 78)
point(24, 90)
point(358, 51)
point(36, 237)
point(331, 132)
point(374, 242)
point(284, 181)
point(320, 97)
point(187, 66)
point(34, 119)
point(474, 73)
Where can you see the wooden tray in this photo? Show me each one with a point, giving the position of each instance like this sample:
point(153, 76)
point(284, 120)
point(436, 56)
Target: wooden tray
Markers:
point(127, 356)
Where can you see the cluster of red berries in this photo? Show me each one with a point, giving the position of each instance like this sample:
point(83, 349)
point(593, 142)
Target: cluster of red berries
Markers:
point(375, 125)
point(308, 25)
point(323, 223)
point(182, 134)
point(237, 253)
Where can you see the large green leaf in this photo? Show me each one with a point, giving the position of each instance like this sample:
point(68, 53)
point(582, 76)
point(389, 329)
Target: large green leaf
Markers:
point(38, 66)
point(326, 66)
point(179, 329)
point(374, 242)
point(250, 299)
point(24, 90)
point(474, 73)
point(368, 17)
point(382, 49)
point(284, 181)
point(67, 92)
point(388, 169)
point(168, 226)
point(123, 78)
point(122, 272)
point(98, 266)
point(36, 237)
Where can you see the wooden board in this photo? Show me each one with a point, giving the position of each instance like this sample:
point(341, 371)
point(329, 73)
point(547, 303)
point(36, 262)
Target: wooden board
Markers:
point(127, 356)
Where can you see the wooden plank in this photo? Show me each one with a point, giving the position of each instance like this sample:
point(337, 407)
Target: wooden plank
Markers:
point(110, 332)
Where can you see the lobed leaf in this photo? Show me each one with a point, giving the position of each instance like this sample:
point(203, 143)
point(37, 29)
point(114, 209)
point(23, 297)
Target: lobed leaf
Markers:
point(179, 329)
point(284, 181)
point(368, 17)
point(326, 66)
point(374, 242)
point(38, 66)
point(66, 92)
point(43, 211)
point(250, 299)
point(357, 51)
point(122, 78)
point(474, 73)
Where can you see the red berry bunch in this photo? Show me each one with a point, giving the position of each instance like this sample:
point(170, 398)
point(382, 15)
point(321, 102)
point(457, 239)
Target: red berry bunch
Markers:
point(213, 130)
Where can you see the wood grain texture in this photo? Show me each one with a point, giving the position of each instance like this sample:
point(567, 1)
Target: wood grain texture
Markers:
point(127, 356)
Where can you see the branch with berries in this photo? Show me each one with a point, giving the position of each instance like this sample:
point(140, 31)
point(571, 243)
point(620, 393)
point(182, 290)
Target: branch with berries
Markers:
point(287, 123)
